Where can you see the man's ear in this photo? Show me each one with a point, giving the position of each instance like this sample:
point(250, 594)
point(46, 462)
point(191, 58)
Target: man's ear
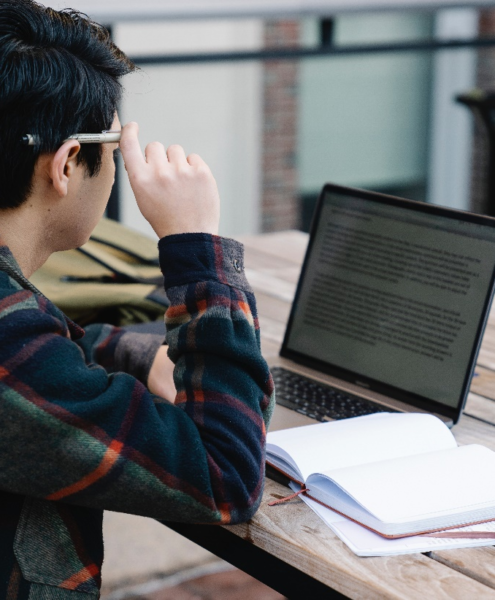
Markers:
point(63, 166)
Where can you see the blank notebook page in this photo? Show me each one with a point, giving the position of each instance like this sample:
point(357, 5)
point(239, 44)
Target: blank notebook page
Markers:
point(422, 486)
point(361, 440)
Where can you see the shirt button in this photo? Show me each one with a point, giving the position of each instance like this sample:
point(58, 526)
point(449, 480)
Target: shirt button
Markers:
point(237, 265)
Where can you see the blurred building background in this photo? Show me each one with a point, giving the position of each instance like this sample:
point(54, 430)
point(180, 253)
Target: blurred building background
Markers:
point(274, 132)
point(215, 110)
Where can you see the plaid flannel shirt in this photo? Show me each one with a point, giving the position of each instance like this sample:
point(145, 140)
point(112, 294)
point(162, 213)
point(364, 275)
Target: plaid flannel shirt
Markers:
point(78, 436)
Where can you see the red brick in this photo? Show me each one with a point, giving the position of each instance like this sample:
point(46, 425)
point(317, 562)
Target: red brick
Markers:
point(230, 585)
point(280, 202)
point(485, 80)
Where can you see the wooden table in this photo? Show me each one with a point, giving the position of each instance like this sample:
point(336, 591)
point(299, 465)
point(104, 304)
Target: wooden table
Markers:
point(287, 546)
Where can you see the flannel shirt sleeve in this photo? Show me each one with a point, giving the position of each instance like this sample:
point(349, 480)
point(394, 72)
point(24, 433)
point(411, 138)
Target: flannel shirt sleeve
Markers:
point(71, 432)
point(117, 349)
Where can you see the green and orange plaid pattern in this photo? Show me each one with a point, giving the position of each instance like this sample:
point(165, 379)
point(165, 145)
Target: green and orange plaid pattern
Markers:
point(77, 438)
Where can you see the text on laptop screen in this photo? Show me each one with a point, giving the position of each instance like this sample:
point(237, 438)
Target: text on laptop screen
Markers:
point(394, 295)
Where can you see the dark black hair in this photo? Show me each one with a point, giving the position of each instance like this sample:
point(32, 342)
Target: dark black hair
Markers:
point(59, 75)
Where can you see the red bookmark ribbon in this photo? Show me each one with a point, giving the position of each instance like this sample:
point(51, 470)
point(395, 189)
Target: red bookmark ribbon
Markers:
point(287, 498)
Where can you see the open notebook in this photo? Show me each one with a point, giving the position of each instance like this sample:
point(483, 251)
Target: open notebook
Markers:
point(396, 474)
point(364, 542)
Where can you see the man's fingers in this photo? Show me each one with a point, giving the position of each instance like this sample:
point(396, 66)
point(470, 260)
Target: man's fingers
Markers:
point(196, 161)
point(131, 150)
point(177, 156)
point(155, 154)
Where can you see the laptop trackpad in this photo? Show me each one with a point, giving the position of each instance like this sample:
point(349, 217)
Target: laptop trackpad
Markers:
point(285, 418)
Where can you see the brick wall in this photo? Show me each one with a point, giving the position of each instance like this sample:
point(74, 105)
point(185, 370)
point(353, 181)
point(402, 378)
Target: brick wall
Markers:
point(280, 202)
point(485, 80)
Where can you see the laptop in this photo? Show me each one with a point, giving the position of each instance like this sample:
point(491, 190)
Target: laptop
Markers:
point(389, 312)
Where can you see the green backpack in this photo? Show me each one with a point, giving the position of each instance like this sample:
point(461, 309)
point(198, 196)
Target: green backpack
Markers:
point(114, 278)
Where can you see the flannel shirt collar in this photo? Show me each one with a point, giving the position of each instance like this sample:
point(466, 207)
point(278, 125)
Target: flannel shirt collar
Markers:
point(9, 265)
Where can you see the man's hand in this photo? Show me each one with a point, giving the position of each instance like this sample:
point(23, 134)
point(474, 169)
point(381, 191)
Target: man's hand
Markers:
point(161, 376)
point(175, 193)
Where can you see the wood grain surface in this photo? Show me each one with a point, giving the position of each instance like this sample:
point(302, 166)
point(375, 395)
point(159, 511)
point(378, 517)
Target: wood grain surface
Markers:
point(293, 533)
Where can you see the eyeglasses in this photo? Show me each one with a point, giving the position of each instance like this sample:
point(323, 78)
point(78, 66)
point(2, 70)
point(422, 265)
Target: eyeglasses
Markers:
point(105, 137)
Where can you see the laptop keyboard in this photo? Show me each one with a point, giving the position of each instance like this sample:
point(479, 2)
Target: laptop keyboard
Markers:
point(317, 400)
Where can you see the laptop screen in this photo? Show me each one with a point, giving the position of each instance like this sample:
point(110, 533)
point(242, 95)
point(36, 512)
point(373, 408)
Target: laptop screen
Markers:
point(394, 293)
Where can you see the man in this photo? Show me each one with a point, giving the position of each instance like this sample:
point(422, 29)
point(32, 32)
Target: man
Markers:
point(77, 438)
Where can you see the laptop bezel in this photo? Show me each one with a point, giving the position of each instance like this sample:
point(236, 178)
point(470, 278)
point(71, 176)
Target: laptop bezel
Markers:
point(367, 383)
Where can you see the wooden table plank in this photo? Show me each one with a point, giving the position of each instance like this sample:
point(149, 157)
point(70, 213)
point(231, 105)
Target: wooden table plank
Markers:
point(277, 267)
point(478, 563)
point(288, 245)
point(486, 356)
point(483, 382)
point(473, 562)
point(271, 329)
point(269, 348)
point(490, 328)
point(264, 260)
point(293, 533)
point(296, 535)
point(491, 316)
point(272, 307)
point(480, 407)
point(269, 284)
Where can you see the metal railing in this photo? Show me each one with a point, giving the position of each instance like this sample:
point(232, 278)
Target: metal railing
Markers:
point(325, 49)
